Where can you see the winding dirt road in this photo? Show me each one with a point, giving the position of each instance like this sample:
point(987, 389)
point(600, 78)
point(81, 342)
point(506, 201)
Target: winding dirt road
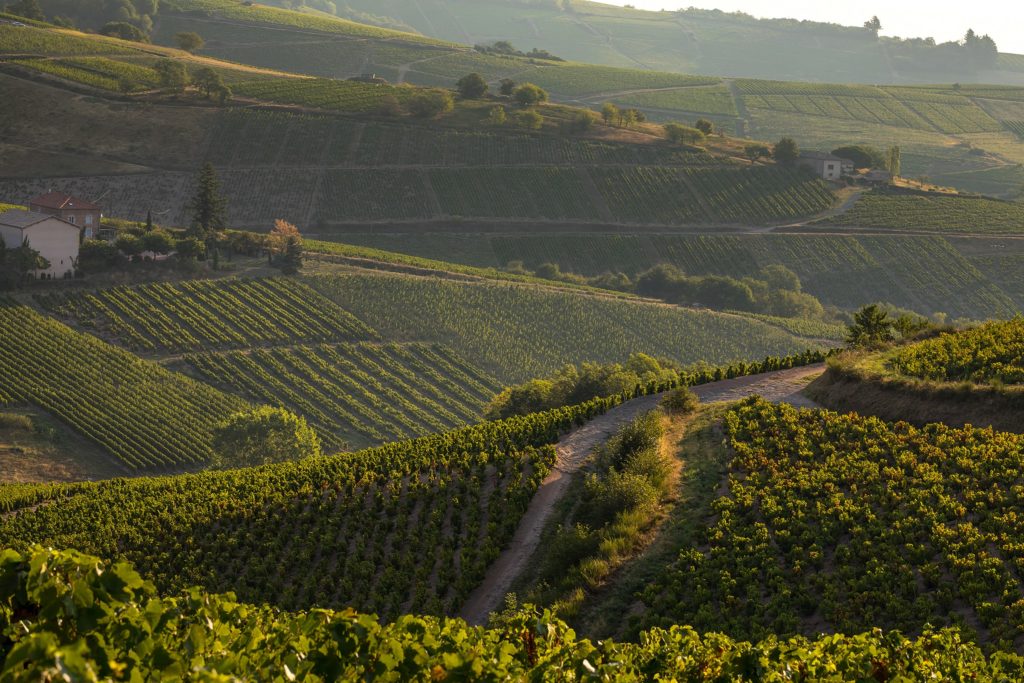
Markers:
point(783, 386)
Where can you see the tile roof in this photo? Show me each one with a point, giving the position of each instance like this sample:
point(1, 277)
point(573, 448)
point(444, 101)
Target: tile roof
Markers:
point(18, 218)
point(59, 200)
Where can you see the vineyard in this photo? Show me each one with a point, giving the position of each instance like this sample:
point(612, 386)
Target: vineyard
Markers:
point(845, 523)
point(723, 195)
point(144, 416)
point(710, 100)
point(304, 140)
point(517, 332)
point(918, 108)
point(925, 273)
point(331, 532)
point(26, 40)
point(545, 193)
point(208, 314)
point(933, 213)
point(98, 72)
point(989, 353)
point(357, 395)
point(70, 600)
point(582, 79)
point(321, 93)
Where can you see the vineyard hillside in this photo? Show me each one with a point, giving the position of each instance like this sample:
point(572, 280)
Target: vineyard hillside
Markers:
point(144, 416)
point(516, 332)
point(330, 532)
point(55, 588)
point(826, 522)
point(964, 277)
point(971, 376)
point(967, 136)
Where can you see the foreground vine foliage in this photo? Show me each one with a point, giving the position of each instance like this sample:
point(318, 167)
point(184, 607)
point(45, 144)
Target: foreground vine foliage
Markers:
point(68, 616)
point(846, 523)
point(993, 352)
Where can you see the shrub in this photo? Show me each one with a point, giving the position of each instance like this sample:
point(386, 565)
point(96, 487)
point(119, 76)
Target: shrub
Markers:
point(262, 436)
point(17, 422)
point(472, 86)
point(680, 401)
point(616, 493)
point(680, 134)
point(531, 120)
point(431, 104)
point(529, 95)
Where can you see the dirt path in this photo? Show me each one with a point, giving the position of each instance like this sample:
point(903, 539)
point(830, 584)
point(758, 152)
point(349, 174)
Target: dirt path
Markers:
point(574, 449)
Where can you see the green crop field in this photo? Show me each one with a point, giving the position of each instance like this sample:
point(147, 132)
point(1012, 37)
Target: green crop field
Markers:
point(516, 332)
point(144, 416)
point(844, 523)
point(933, 213)
point(331, 531)
point(200, 314)
point(355, 395)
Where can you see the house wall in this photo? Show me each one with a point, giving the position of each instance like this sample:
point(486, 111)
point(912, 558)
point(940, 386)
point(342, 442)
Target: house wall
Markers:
point(88, 220)
point(57, 242)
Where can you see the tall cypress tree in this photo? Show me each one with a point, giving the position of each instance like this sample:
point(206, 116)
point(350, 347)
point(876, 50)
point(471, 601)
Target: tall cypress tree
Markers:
point(209, 208)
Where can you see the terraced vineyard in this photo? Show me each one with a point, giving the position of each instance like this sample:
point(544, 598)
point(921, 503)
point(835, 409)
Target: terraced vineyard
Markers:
point(355, 395)
point(933, 213)
point(844, 523)
point(518, 332)
point(331, 532)
point(141, 414)
point(205, 314)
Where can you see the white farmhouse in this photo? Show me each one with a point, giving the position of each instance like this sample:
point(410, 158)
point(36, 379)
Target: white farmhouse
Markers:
point(825, 165)
point(55, 239)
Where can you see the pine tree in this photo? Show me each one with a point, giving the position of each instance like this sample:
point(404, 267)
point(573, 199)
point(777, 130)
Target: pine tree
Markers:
point(149, 221)
point(208, 206)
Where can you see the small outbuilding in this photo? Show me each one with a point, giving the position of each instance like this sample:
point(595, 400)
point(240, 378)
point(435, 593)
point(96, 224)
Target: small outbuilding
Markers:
point(824, 165)
point(56, 239)
point(74, 210)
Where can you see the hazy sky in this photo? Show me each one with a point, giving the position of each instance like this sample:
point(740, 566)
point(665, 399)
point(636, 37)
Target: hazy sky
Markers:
point(940, 19)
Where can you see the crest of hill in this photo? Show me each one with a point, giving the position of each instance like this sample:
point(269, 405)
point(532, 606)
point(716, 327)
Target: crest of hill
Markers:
point(973, 376)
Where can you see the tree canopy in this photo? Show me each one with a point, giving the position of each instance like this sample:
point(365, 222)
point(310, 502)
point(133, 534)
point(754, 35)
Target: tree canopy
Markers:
point(472, 86)
point(262, 436)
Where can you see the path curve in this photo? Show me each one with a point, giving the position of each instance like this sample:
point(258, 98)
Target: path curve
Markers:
point(573, 451)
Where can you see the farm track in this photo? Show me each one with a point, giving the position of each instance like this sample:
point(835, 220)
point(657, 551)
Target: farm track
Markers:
point(573, 451)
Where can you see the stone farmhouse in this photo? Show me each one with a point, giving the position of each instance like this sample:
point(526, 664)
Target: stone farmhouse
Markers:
point(56, 239)
point(80, 212)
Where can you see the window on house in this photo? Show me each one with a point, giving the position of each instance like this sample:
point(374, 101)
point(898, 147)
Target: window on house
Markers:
point(88, 219)
point(71, 220)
